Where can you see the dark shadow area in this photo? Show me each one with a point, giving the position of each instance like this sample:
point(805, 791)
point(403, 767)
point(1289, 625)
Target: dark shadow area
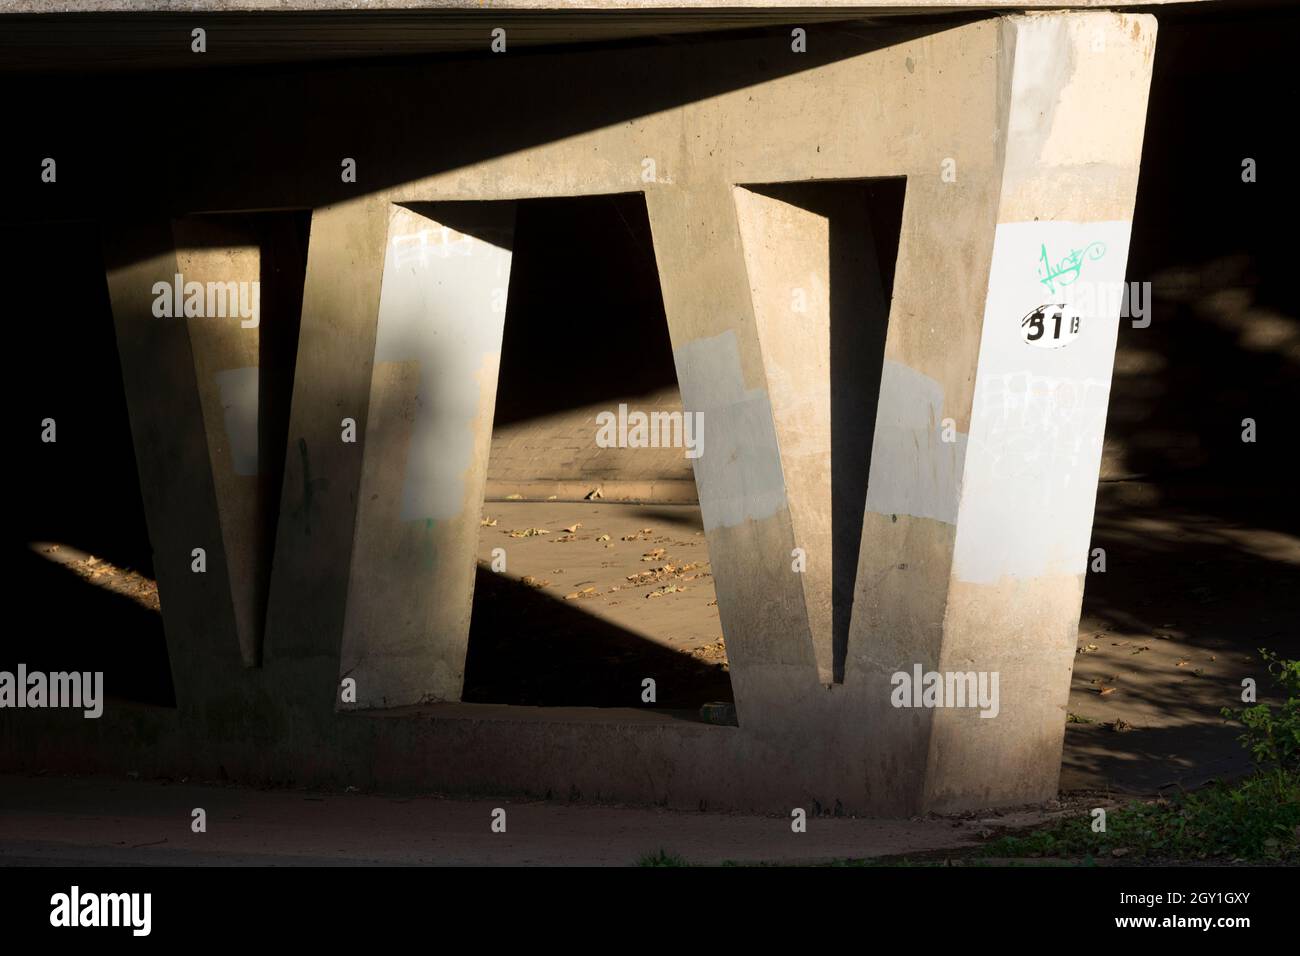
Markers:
point(530, 649)
point(865, 220)
point(585, 320)
point(80, 492)
point(119, 42)
point(84, 626)
point(1224, 340)
point(282, 239)
point(1200, 548)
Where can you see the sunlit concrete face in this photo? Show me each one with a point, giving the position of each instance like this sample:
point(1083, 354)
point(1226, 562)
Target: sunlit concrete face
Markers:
point(1018, 140)
point(433, 386)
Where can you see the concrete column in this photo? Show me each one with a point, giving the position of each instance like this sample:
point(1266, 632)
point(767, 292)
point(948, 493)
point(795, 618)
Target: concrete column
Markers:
point(318, 501)
point(214, 254)
point(976, 536)
point(820, 312)
point(738, 475)
point(166, 408)
point(432, 394)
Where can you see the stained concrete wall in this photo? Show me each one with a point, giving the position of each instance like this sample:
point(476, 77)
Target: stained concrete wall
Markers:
point(1045, 129)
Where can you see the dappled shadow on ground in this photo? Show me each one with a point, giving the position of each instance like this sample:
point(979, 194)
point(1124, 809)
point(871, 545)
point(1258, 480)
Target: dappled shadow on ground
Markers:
point(1168, 633)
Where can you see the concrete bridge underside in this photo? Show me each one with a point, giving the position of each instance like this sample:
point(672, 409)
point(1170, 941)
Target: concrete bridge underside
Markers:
point(1012, 141)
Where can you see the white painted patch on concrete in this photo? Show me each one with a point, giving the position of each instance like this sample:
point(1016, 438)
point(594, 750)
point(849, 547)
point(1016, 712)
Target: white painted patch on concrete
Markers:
point(238, 390)
point(442, 305)
point(738, 476)
point(1039, 415)
point(913, 471)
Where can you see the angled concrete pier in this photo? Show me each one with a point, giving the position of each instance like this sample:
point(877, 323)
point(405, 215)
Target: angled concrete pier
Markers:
point(884, 266)
point(433, 386)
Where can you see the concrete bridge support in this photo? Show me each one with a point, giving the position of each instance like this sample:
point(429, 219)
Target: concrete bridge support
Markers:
point(924, 429)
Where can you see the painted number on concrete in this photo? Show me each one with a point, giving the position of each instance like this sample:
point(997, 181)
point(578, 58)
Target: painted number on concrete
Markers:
point(1051, 326)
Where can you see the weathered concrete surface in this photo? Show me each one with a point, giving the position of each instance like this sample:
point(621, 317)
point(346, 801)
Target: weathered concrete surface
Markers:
point(1015, 104)
point(225, 349)
point(437, 349)
point(821, 312)
point(172, 453)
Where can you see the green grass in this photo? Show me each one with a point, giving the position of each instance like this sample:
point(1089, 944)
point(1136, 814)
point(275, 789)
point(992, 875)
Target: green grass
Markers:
point(1257, 820)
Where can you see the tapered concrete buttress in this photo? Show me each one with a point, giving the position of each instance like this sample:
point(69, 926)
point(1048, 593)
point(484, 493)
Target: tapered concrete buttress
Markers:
point(822, 356)
point(224, 332)
point(432, 393)
point(987, 436)
point(165, 395)
point(318, 502)
point(1004, 534)
point(1019, 141)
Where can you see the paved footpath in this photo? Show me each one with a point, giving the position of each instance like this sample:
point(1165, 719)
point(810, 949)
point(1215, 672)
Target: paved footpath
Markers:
point(52, 820)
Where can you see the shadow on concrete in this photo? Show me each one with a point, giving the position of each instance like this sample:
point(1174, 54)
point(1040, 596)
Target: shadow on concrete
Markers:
point(206, 140)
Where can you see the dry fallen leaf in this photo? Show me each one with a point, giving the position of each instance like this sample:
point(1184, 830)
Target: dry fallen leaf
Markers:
point(488, 523)
point(666, 589)
point(573, 528)
point(1106, 690)
point(527, 532)
point(603, 537)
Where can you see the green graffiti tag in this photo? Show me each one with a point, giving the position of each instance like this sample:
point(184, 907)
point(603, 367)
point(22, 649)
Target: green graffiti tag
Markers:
point(1067, 270)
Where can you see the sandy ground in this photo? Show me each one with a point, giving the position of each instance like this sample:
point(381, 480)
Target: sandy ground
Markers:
point(582, 616)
